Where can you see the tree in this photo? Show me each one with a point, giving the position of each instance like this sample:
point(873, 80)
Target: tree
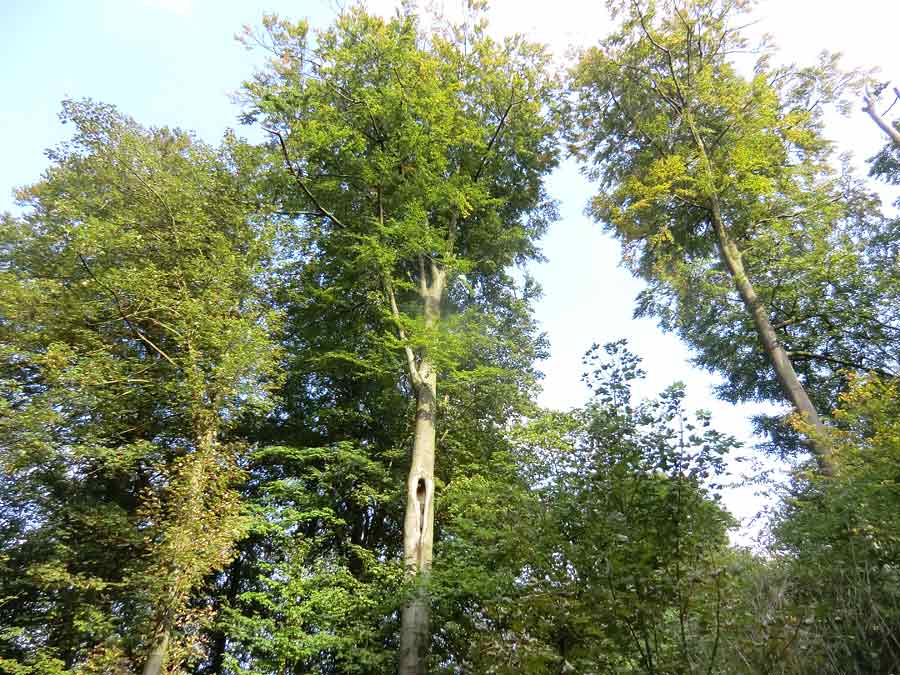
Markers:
point(318, 577)
point(831, 293)
point(604, 551)
point(133, 336)
point(837, 538)
point(414, 163)
point(707, 175)
point(318, 584)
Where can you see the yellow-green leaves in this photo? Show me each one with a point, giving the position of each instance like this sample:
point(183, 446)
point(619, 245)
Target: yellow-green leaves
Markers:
point(674, 132)
point(135, 333)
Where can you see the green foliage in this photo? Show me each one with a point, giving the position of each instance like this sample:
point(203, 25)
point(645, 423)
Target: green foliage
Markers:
point(670, 127)
point(133, 335)
point(610, 559)
point(839, 539)
point(316, 575)
point(208, 362)
point(394, 147)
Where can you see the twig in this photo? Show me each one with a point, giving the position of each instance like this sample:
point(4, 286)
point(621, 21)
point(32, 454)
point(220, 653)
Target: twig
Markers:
point(493, 140)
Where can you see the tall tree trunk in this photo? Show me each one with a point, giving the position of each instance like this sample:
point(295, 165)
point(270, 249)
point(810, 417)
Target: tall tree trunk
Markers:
point(784, 369)
point(781, 362)
point(418, 524)
point(187, 508)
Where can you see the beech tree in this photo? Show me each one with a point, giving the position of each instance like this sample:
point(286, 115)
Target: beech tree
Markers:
point(319, 580)
point(831, 293)
point(414, 164)
point(704, 170)
point(133, 333)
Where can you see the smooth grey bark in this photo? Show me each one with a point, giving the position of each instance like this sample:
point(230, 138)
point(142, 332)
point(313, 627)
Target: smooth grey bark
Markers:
point(784, 369)
point(418, 523)
point(778, 357)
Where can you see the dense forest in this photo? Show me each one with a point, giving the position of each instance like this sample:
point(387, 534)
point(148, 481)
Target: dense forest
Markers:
point(271, 407)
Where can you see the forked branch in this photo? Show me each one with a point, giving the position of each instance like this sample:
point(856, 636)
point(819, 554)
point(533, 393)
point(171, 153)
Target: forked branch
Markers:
point(872, 110)
point(395, 312)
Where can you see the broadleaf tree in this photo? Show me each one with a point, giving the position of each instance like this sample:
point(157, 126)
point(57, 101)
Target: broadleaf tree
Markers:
point(414, 161)
point(134, 333)
point(604, 550)
point(706, 174)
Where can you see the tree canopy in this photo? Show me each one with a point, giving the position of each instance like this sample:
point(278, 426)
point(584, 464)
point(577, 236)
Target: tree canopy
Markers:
point(271, 407)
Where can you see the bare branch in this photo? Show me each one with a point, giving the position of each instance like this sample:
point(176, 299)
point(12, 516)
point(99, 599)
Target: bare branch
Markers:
point(870, 108)
point(805, 356)
point(395, 312)
point(452, 229)
point(667, 52)
point(423, 282)
point(493, 140)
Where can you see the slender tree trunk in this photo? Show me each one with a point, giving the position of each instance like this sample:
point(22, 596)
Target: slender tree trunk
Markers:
point(157, 658)
point(418, 524)
point(784, 369)
point(175, 597)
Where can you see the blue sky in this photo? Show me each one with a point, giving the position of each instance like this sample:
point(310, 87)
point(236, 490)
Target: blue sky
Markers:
point(176, 62)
